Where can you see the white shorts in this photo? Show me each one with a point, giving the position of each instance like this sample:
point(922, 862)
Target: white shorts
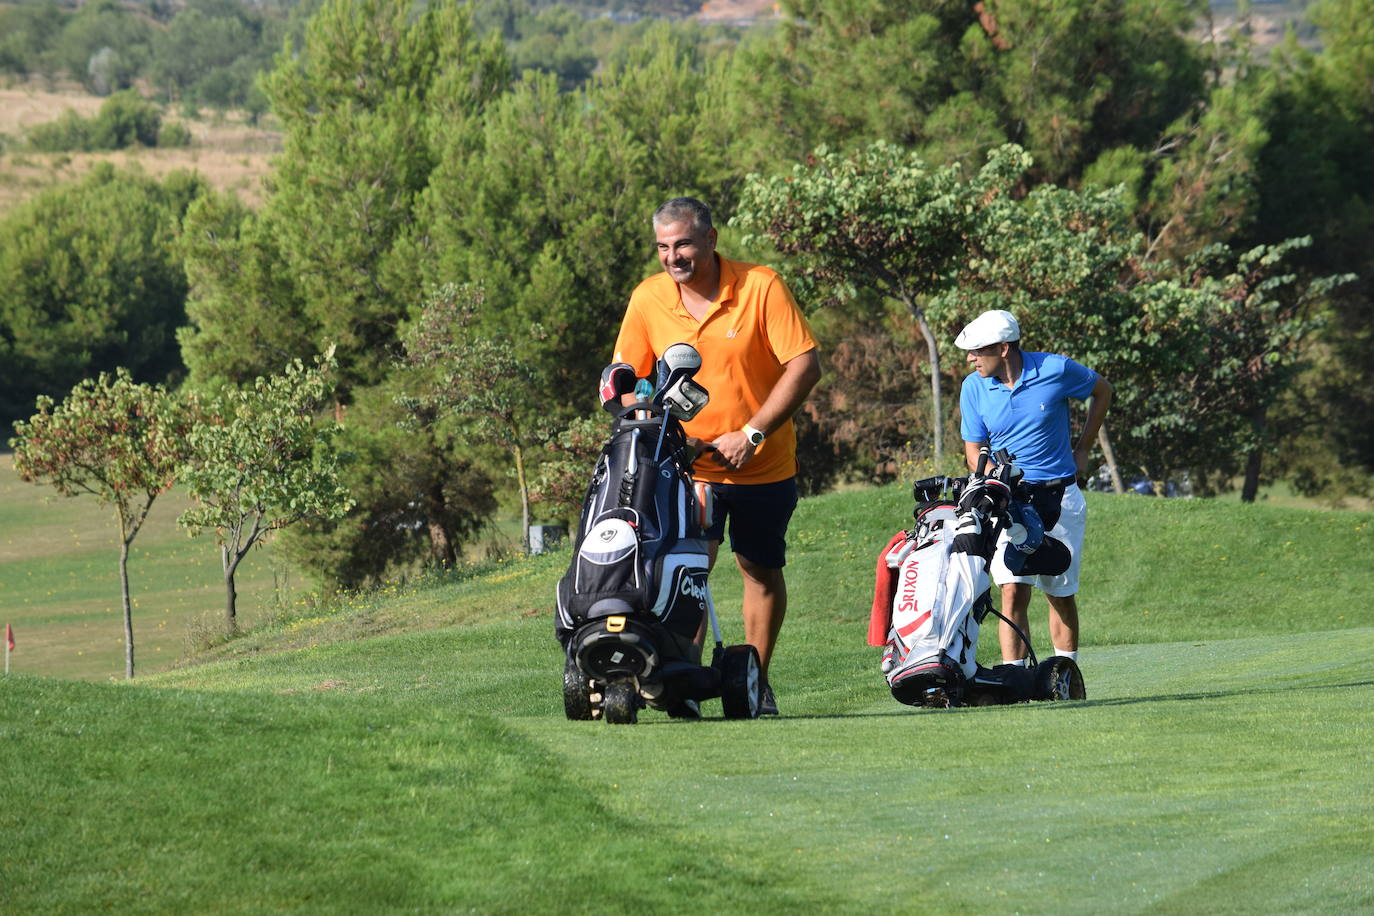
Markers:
point(1073, 521)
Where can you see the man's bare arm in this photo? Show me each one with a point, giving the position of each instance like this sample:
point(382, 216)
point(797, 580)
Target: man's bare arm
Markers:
point(799, 375)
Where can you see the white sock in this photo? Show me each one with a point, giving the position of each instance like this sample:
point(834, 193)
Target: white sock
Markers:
point(1018, 662)
point(1073, 655)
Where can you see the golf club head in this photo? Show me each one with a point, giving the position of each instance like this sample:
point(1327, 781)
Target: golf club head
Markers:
point(616, 379)
point(684, 398)
point(678, 360)
point(677, 365)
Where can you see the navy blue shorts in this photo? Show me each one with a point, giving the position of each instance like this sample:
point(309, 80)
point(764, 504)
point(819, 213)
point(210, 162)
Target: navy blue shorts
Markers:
point(758, 514)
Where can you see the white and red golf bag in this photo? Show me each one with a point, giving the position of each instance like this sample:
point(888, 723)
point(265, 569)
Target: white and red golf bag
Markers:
point(929, 630)
point(931, 591)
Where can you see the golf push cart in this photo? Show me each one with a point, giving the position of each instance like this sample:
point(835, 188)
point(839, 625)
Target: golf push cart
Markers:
point(631, 603)
point(931, 592)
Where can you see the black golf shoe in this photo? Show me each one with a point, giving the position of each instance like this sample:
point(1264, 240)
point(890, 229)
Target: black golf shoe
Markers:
point(767, 705)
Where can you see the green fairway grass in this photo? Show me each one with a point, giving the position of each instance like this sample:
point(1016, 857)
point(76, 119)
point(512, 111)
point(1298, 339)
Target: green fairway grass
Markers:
point(408, 751)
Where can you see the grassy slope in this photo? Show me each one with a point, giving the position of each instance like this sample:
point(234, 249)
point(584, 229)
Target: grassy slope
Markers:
point(59, 583)
point(1220, 764)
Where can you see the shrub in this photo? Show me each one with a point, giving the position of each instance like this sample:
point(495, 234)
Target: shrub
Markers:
point(125, 118)
point(69, 132)
point(174, 133)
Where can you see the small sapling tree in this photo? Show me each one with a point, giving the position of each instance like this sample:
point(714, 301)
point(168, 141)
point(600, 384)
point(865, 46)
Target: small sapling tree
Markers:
point(115, 439)
point(260, 463)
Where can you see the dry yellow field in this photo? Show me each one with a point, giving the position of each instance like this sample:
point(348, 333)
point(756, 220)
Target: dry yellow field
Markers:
point(229, 153)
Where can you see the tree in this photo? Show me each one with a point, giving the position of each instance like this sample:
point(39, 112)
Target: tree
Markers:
point(1198, 352)
point(90, 281)
point(1315, 177)
point(420, 494)
point(27, 32)
point(952, 80)
point(547, 207)
point(260, 462)
point(879, 223)
point(561, 484)
point(360, 107)
point(481, 382)
point(329, 256)
point(124, 119)
point(104, 45)
point(1257, 320)
point(246, 317)
point(116, 440)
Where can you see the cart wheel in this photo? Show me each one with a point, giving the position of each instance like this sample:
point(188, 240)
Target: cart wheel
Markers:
point(1058, 678)
point(740, 682)
point(577, 694)
point(621, 703)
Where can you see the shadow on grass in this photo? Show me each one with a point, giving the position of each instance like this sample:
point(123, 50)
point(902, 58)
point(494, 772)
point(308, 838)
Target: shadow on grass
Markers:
point(1212, 695)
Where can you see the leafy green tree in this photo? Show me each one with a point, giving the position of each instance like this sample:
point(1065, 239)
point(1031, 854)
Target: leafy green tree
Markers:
point(1065, 80)
point(878, 223)
point(327, 257)
point(1199, 352)
point(547, 207)
point(112, 438)
point(420, 495)
point(259, 463)
point(561, 482)
point(1315, 177)
point(246, 317)
point(359, 108)
point(481, 382)
point(125, 119)
point(27, 33)
point(105, 45)
point(197, 43)
point(89, 281)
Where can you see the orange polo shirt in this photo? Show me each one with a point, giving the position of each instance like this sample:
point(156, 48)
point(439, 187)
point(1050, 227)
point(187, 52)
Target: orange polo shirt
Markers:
point(751, 329)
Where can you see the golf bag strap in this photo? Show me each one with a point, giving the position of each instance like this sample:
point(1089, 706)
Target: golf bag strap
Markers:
point(884, 588)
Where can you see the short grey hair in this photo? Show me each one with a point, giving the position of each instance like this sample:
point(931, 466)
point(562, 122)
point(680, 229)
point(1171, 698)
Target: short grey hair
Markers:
point(684, 208)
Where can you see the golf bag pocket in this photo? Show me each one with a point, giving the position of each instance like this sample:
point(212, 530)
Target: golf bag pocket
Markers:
point(606, 575)
point(682, 593)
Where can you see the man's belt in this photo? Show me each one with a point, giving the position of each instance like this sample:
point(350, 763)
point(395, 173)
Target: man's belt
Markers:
point(1052, 482)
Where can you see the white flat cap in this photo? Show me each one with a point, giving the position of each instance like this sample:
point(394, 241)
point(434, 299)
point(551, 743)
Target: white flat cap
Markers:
point(996, 326)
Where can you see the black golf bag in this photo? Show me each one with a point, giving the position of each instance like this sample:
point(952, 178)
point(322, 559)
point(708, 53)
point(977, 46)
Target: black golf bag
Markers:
point(633, 598)
point(931, 593)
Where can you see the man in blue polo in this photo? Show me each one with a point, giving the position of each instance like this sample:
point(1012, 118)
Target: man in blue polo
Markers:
point(1019, 401)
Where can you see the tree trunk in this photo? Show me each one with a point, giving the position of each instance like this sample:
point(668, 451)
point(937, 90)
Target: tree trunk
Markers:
point(1250, 488)
point(442, 552)
point(937, 425)
point(1109, 455)
point(231, 618)
point(524, 496)
point(128, 609)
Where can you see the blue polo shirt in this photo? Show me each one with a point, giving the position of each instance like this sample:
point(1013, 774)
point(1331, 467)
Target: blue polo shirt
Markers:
point(1031, 420)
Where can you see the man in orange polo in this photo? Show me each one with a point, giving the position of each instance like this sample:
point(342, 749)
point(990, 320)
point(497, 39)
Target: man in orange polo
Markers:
point(759, 362)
